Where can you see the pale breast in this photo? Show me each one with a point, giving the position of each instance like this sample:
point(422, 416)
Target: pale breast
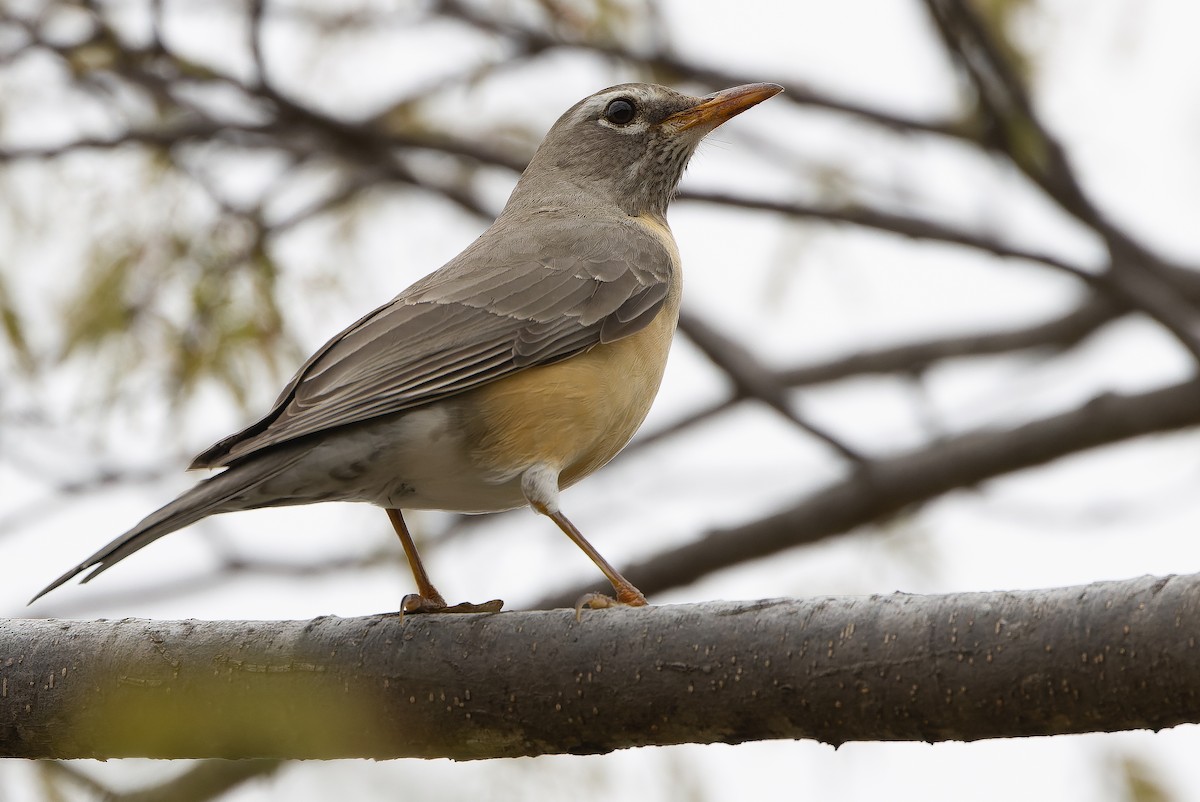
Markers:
point(577, 414)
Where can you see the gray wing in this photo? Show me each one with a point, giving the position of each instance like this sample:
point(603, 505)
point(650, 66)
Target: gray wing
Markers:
point(503, 305)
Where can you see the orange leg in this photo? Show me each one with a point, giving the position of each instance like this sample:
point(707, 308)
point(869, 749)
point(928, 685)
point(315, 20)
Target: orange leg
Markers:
point(427, 599)
point(627, 594)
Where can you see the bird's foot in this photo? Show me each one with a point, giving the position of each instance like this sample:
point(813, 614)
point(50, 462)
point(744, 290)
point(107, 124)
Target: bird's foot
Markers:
point(626, 597)
point(415, 603)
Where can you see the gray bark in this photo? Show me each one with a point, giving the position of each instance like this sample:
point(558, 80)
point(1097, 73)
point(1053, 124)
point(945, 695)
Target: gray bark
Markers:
point(1104, 657)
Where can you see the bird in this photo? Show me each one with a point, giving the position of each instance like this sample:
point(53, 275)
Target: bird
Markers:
point(517, 369)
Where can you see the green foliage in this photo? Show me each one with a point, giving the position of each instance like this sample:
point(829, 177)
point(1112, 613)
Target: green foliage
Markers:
point(1003, 18)
point(1140, 783)
point(200, 304)
point(13, 328)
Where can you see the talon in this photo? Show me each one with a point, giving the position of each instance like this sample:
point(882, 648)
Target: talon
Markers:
point(415, 603)
point(600, 601)
point(593, 601)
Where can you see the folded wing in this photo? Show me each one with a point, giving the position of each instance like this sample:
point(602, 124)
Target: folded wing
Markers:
point(503, 305)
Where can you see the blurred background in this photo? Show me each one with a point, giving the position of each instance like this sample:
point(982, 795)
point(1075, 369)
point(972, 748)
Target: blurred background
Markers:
point(962, 220)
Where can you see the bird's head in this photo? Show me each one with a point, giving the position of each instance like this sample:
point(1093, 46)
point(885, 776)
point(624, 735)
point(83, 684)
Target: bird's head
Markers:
point(628, 145)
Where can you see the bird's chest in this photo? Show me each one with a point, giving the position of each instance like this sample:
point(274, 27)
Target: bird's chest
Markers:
point(573, 415)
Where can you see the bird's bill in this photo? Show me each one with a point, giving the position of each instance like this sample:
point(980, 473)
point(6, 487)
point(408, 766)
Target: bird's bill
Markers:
point(719, 107)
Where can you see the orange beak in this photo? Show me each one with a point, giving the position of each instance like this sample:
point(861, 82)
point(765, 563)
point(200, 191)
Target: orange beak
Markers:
point(719, 107)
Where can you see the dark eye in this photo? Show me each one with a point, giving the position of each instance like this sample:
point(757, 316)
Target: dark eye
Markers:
point(620, 112)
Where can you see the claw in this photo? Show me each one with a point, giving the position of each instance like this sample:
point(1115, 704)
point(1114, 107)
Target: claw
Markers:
point(600, 601)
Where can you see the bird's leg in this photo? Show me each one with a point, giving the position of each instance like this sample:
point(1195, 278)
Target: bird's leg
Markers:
point(627, 594)
point(540, 485)
point(427, 599)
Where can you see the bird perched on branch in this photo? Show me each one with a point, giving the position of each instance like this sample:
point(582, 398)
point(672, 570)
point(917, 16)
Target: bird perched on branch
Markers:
point(520, 367)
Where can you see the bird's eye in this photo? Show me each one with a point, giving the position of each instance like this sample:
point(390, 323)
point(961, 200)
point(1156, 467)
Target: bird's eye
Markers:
point(620, 112)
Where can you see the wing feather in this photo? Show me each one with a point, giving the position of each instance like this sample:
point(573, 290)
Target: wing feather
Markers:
point(504, 304)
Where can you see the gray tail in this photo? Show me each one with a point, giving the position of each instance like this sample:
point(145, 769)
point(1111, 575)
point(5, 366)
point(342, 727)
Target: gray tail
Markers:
point(221, 493)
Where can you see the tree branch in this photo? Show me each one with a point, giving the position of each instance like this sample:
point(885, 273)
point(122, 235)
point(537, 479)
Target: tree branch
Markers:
point(665, 63)
point(1013, 126)
point(1057, 334)
point(915, 228)
point(203, 782)
point(752, 379)
point(1109, 656)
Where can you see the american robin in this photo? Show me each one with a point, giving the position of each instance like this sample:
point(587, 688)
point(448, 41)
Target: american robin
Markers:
point(521, 366)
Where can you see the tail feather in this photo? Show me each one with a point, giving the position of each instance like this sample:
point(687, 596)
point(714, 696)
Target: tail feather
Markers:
point(214, 495)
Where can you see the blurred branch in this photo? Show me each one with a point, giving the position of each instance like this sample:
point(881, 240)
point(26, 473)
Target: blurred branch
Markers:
point(531, 40)
point(33, 509)
point(752, 379)
point(205, 781)
point(1014, 128)
point(646, 438)
point(292, 126)
point(254, 37)
point(1057, 334)
point(56, 773)
point(915, 228)
point(208, 780)
point(1104, 657)
point(896, 483)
